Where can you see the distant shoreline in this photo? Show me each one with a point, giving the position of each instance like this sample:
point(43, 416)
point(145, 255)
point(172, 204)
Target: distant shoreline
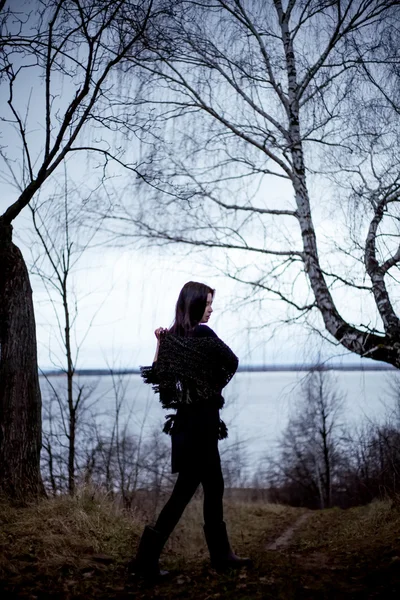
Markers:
point(241, 369)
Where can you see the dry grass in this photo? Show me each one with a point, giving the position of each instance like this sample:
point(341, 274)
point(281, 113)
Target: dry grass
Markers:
point(251, 526)
point(87, 521)
point(366, 540)
point(351, 530)
point(80, 548)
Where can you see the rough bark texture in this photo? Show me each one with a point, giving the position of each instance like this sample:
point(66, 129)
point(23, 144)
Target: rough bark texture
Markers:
point(20, 398)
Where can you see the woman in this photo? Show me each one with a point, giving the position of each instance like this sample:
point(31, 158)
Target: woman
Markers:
point(191, 366)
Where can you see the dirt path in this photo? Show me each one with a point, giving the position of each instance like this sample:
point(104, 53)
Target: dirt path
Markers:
point(283, 541)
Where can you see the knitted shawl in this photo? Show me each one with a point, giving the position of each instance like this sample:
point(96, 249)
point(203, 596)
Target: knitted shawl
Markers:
point(191, 370)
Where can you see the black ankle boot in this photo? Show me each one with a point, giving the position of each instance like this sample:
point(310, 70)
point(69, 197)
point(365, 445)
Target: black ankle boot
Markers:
point(148, 553)
point(221, 553)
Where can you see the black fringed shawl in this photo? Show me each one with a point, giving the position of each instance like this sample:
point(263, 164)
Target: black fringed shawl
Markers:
point(191, 370)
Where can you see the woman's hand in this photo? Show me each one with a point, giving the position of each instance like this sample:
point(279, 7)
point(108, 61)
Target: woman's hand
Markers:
point(160, 331)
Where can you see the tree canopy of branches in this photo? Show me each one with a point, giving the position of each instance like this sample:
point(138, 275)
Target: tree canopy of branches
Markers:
point(323, 461)
point(310, 448)
point(59, 64)
point(279, 143)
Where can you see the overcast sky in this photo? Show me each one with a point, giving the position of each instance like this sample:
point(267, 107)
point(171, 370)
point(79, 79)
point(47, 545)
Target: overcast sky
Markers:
point(123, 294)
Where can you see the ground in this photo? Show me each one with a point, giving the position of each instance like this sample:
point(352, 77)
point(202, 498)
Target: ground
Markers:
point(80, 548)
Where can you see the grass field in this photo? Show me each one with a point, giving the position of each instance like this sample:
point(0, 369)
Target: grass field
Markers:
point(81, 547)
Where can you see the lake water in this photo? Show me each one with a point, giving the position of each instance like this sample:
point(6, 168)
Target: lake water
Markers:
point(257, 404)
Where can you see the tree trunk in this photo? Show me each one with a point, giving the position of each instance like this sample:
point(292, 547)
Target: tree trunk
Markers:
point(20, 398)
point(71, 452)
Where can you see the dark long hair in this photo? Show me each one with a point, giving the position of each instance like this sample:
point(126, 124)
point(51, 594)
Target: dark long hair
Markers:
point(190, 307)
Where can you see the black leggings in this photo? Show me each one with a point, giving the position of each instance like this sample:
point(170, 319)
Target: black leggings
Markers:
point(210, 476)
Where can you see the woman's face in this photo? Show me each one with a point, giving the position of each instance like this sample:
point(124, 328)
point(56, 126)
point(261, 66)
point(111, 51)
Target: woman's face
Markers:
point(207, 313)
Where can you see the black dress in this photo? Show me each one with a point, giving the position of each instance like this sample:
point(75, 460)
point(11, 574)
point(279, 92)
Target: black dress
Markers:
point(195, 457)
point(196, 428)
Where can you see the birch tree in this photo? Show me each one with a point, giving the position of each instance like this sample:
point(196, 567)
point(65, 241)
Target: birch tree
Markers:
point(58, 62)
point(281, 147)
